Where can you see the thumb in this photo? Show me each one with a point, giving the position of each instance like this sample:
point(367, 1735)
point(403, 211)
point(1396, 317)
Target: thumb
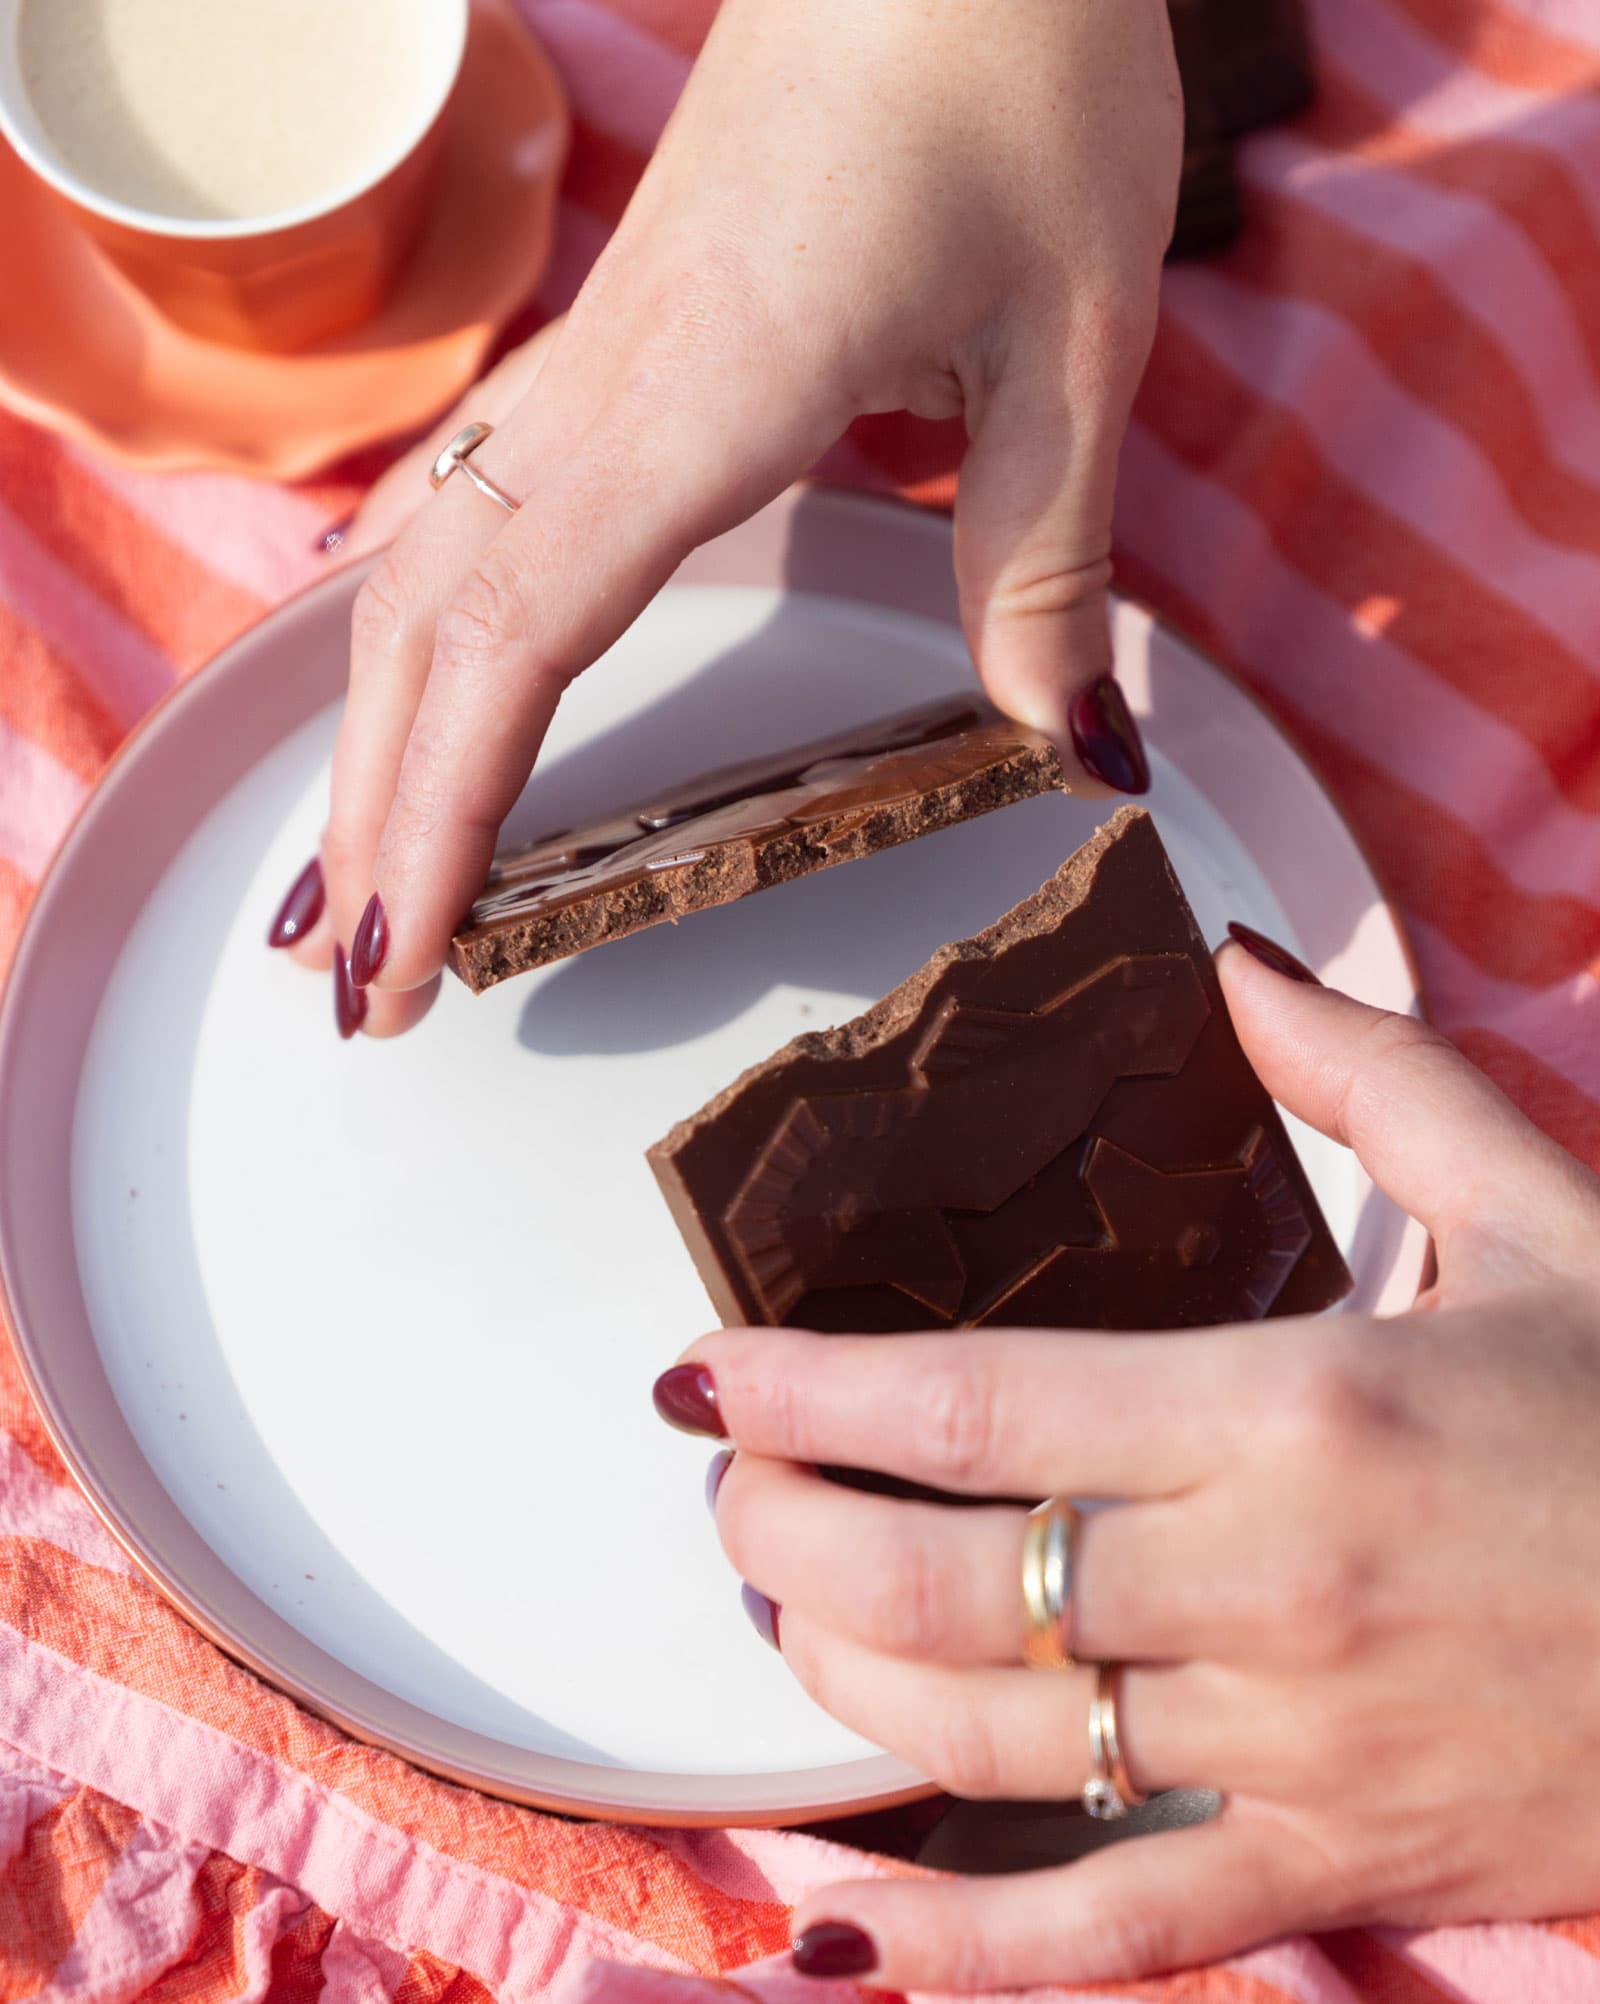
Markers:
point(1429, 1128)
point(1032, 549)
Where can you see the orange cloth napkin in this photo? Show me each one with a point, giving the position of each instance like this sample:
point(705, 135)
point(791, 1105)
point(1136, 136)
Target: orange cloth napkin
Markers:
point(1365, 472)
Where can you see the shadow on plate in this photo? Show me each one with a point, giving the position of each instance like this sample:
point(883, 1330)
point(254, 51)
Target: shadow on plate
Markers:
point(225, 1474)
point(856, 930)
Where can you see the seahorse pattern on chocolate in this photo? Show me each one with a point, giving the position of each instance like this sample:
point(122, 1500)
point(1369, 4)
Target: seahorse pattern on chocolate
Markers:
point(1051, 1124)
point(746, 827)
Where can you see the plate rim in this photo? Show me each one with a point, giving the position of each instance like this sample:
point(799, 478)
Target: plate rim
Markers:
point(859, 1787)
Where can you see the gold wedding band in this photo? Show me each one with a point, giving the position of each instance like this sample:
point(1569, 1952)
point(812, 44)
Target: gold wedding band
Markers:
point(1049, 1554)
point(457, 458)
point(1108, 1793)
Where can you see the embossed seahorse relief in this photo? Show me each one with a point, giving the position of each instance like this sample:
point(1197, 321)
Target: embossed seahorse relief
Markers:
point(982, 1177)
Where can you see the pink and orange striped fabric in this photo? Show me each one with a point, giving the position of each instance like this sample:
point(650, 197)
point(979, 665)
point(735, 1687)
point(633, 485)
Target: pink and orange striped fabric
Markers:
point(1365, 471)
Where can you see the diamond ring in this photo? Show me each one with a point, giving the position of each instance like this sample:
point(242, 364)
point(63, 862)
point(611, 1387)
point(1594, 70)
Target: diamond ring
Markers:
point(1108, 1793)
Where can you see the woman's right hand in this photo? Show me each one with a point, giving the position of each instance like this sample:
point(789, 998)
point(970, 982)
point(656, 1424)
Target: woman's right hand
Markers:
point(1351, 1568)
point(853, 209)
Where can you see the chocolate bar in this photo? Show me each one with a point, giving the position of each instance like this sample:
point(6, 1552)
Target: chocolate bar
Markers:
point(1244, 64)
point(1050, 1124)
point(746, 827)
point(1210, 204)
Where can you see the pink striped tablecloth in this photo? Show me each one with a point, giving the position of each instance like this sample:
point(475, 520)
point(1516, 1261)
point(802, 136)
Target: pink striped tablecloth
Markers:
point(1365, 471)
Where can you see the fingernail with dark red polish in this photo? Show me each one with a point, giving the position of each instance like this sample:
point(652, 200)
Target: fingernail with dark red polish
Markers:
point(331, 541)
point(763, 1613)
point(349, 1003)
point(1270, 954)
point(301, 909)
point(721, 1462)
point(370, 947)
point(1107, 739)
point(687, 1399)
point(834, 1948)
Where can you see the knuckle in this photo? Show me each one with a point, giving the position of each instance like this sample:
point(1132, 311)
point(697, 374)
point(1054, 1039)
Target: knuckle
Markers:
point(1338, 1399)
point(907, 1615)
point(431, 793)
point(1332, 1882)
point(420, 806)
point(1322, 1604)
point(784, 1434)
point(379, 617)
point(427, 803)
point(968, 1964)
point(1049, 588)
point(966, 1759)
point(346, 851)
point(1390, 1038)
point(488, 612)
point(955, 1422)
point(1131, 1940)
point(1388, 1048)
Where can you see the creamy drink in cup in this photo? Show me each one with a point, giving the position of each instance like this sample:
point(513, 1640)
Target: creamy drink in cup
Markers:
point(258, 167)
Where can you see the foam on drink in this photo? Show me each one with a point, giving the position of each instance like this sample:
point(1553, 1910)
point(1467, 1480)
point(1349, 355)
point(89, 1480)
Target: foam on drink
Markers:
point(230, 109)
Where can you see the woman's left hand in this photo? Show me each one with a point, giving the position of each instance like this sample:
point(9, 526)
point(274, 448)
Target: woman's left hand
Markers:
point(1354, 1566)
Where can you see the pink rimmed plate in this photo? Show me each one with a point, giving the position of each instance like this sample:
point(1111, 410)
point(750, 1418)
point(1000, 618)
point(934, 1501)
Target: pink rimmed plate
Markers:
point(351, 1346)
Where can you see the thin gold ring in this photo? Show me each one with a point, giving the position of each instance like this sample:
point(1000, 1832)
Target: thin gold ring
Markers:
point(1108, 1793)
point(1049, 1554)
point(457, 458)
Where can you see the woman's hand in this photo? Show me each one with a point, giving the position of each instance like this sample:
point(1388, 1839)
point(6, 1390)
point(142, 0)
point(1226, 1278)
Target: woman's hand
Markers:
point(1355, 1565)
point(853, 209)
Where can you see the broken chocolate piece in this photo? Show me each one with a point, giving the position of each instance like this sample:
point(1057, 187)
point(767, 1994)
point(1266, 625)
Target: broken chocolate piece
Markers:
point(747, 827)
point(1210, 202)
point(1051, 1124)
point(1243, 64)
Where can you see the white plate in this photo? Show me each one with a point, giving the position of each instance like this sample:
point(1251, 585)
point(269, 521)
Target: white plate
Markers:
point(352, 1345)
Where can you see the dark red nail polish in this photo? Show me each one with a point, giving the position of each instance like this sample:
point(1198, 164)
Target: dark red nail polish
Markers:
point(834, 1948)
point(301, 909)
point(1107, 739)
point(721, 1462)
point(686, 1398)
point(764, 1614)
point(331, 541)
point(1270, 954)
point(349, 1003)
point(370, 947)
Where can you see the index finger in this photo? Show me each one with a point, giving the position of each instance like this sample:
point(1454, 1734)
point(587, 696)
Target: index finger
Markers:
point(993, 1412)
point(593, 541)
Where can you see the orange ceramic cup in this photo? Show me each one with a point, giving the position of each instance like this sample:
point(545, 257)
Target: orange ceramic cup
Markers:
point(278, 282)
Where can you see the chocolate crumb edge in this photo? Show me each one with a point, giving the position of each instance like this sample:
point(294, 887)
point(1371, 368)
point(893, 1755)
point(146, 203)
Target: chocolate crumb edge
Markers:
point(1035, 914)
point(483, 956)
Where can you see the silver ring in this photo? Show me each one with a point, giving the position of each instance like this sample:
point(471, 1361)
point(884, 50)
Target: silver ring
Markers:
point(1108, 1793)
point(456, 457)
